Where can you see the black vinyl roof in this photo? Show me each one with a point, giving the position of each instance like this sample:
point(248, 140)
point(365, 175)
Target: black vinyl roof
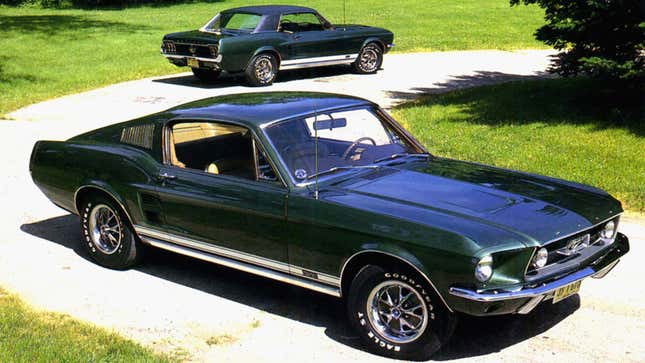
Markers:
point(270, 9)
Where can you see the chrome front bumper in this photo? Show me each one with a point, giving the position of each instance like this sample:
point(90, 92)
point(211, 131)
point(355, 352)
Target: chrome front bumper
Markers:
point(544, 291)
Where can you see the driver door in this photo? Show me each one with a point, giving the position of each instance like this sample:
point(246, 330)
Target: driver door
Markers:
point(217, 190)
point(310, 37)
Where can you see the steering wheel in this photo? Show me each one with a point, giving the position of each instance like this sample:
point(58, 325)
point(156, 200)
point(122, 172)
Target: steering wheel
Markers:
point(355, 143)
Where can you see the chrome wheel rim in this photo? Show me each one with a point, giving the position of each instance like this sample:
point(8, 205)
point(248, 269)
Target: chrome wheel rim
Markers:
point(397, 311)
point(369, 60)
point(105, 229)
point(264, 70)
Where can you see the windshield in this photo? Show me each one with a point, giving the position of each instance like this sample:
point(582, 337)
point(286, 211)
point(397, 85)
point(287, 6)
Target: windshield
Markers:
point(233, 21)
point(350, 138)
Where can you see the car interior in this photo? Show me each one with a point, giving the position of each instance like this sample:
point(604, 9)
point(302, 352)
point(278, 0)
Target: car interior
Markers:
point(216, 148)
point(301, 22)
point(295, 142)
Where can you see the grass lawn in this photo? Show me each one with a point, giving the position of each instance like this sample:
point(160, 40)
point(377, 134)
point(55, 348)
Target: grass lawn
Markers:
point(46, 53)
point(561, 128)
point(32, 336)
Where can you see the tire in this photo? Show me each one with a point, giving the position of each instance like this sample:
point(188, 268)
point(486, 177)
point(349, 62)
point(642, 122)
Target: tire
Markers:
point(123, 249)
point(206, 75)
point(262, 70)
point(369, 60)
point(373, 284)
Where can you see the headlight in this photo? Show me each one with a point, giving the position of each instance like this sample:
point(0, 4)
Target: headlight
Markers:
point(484, 268)
point(540, 257)
point(609, 230)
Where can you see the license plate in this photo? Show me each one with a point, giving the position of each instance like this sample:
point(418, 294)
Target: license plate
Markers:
point(193, 63)
point(566, 291)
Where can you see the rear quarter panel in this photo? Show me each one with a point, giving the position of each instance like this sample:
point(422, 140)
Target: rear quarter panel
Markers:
point(60, 168)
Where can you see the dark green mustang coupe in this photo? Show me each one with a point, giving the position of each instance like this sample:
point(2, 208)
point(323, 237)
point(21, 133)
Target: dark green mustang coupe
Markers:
point(329, 193)
point(260, 40)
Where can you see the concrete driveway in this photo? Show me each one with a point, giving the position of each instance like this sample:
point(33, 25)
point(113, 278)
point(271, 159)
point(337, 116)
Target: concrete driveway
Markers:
point(203, 312)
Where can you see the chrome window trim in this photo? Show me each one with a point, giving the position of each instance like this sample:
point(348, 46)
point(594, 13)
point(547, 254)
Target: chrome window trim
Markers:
point(240, 256)
point(342, 270)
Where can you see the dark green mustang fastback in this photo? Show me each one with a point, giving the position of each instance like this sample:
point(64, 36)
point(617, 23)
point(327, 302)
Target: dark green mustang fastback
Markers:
point(329, 193)
point(260, 40)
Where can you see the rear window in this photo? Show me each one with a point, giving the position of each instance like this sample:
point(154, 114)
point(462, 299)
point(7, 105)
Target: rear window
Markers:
point(240, 21)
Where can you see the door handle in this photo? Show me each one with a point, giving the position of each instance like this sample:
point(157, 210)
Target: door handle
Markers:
point(165, 176)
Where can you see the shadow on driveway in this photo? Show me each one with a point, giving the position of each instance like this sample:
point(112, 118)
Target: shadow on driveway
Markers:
point(473, 336)
point(231, 80)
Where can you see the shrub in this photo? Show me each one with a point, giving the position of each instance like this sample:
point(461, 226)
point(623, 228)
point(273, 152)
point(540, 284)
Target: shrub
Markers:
point(600, 38)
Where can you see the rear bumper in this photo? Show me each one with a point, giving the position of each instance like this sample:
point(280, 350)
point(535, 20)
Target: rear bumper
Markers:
point(182, 61)
point(522, 301)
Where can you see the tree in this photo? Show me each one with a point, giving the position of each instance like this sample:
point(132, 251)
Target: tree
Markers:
point(600, 38)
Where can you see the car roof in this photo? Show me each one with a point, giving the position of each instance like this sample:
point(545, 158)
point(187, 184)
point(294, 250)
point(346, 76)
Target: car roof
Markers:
point(256, 109)
point(270, 9)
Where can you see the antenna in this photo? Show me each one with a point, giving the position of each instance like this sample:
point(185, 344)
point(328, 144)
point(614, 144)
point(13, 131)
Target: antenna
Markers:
point(344, 21)
point(315, 149)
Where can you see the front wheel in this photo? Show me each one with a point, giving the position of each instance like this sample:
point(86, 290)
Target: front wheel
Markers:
point(369, 59)
point(108, 236)
point(262, 70)
point(206, 75)
point(397, 314)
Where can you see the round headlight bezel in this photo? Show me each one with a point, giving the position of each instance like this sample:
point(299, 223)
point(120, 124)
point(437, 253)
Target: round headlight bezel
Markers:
point(608, 231)
point(484, 268)
point(540, 258)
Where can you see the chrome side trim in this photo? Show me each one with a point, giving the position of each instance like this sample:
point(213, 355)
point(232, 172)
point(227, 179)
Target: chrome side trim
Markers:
point(303, 272)
point(342, 270)
point(210, 248)
point(286, 268)
point(218, 59)
point(532, 292)
point(318, 61)
point(256, 270)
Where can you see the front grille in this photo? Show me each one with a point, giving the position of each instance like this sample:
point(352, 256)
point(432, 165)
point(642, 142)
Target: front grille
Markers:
point(190, 48)
point(562, 253)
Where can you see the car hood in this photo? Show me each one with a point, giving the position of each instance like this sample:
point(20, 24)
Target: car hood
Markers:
point(195, 36)
point(538, 208)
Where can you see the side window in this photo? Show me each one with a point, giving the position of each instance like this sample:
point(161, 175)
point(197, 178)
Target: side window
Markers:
point(300, 22)
point(215, 148)
point(218, 148)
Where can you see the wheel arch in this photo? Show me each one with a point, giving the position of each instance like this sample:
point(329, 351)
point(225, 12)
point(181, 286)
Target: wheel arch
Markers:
point(266, 49)
point(366, 257)
point(375, 40)
point(104, 190)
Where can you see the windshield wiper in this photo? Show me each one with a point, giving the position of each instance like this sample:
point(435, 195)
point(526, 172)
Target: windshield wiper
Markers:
point(339, 168)
point(400, 155)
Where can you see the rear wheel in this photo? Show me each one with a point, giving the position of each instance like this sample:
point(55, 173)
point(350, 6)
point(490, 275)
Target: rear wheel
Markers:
point(397, 314)
point(206, 75)
point(108, 236)
point(369, 59)
point(262, 70)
